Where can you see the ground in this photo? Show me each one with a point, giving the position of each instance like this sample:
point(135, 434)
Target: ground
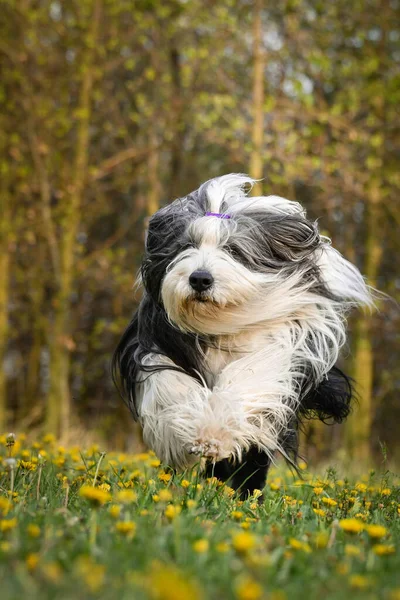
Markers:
point(77, 524)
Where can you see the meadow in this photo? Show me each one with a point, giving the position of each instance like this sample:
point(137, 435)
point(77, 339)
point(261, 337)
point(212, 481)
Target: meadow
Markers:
point(83, 524)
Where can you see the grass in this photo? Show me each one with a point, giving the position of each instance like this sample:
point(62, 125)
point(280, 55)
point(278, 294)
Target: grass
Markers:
point(138, 531)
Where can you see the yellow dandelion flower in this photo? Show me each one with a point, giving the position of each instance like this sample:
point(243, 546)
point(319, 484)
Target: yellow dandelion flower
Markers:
point(191, 503)
point(32, 561)
point(245, 525)
point(376, 531)
point(299, 545)
point(92, 573)
point(222, 547)
point(243, 542)
point(7, 524)
point(254, 506)
point(228, 491)
point(165, 495)
point(383, 549)
point(185, 483)
point(164, 477)
point(386, 492)
point(52, 571)
point(321, 539)
point(237, 515)
point(114, 511)
point(351, 550)
point(329, 501)
point(127, 528)
point(155, 463)
point(248, 589)
point(361, 487)
point(257, 493)
point(155, 498)
point(318, 490)
point(201, 546)
point(126, 496)
point(5, 505)
point(33, 530)
point(320, 512)
point(95, 496)
point(169, 583)
point(302, 465)
point(351, 525)
point(106, 487)
point(359, 582)
point(171, 512)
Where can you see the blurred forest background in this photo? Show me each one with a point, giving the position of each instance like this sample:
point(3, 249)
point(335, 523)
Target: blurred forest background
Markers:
point(111, 108)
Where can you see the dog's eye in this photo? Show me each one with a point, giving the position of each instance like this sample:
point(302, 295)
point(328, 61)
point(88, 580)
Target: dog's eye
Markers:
point(234, 252)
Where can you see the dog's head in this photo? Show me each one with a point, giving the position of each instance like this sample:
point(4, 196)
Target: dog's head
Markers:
point(219, 261)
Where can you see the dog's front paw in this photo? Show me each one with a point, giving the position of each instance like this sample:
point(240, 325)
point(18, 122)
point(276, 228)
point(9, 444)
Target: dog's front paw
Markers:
point(213, 447)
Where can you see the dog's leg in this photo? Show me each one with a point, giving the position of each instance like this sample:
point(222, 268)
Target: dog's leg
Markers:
point(252, 473)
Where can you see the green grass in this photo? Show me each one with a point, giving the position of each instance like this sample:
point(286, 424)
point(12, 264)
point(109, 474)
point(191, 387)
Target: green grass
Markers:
point(165, 540)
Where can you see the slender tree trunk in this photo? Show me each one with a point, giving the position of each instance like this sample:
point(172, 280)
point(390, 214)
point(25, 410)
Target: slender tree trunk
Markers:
point(58, 402)
point(154, 184)
point(360, 422)
point(175, 188)
point(256, 159)
point(4, 293)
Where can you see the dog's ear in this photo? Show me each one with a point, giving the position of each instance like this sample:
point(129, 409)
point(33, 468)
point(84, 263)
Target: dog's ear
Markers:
point(340, 277)
point(330, 400)
point(292, 237)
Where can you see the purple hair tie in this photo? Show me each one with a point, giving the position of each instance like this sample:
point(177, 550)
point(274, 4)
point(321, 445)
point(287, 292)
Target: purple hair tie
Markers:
point(219, 215)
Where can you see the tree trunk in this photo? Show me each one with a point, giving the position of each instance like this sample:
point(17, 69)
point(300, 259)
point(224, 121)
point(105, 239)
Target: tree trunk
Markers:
point(58, 401)
point(360, 421)
point(4, 293)
point(256, 159)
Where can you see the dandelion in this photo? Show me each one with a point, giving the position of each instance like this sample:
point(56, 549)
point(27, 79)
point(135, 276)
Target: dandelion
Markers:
point(171, 512)
point(185, 483)
point(33, 530)
point(127, 528)
point(52, 571)
point(165, 495)
point(191, 503)
point(5, 505)
point(155, 498)
point(386, 492)
point(155, 463)
point(114, 511)
point(321, 539)
point(383, 549)
point(299, 545)
point(318, 490)
point(126, 496)
point(351, 525)
point(164, 477)
point(329, 501)
point(222, 547)
point(7, 524)
point(201, 546)
point(320, 512)
point(95, 496)
point(376, 531)
point(248, 589)
point(351, 550)
point(92, 573)
point(359, 582)
point(237, 515)
point(243, 542)
point(32, 561)
point(168, 583)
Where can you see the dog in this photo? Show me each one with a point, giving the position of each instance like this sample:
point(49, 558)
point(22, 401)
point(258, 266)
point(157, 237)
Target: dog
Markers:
point(238, 332)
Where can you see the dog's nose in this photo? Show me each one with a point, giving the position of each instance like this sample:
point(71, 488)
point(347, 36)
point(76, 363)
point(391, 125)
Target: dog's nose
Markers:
point(201, 280)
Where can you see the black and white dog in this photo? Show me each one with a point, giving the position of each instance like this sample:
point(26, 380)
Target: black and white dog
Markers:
point(238, 332)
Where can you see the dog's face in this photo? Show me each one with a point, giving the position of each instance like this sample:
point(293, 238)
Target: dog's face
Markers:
point(214, 274)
